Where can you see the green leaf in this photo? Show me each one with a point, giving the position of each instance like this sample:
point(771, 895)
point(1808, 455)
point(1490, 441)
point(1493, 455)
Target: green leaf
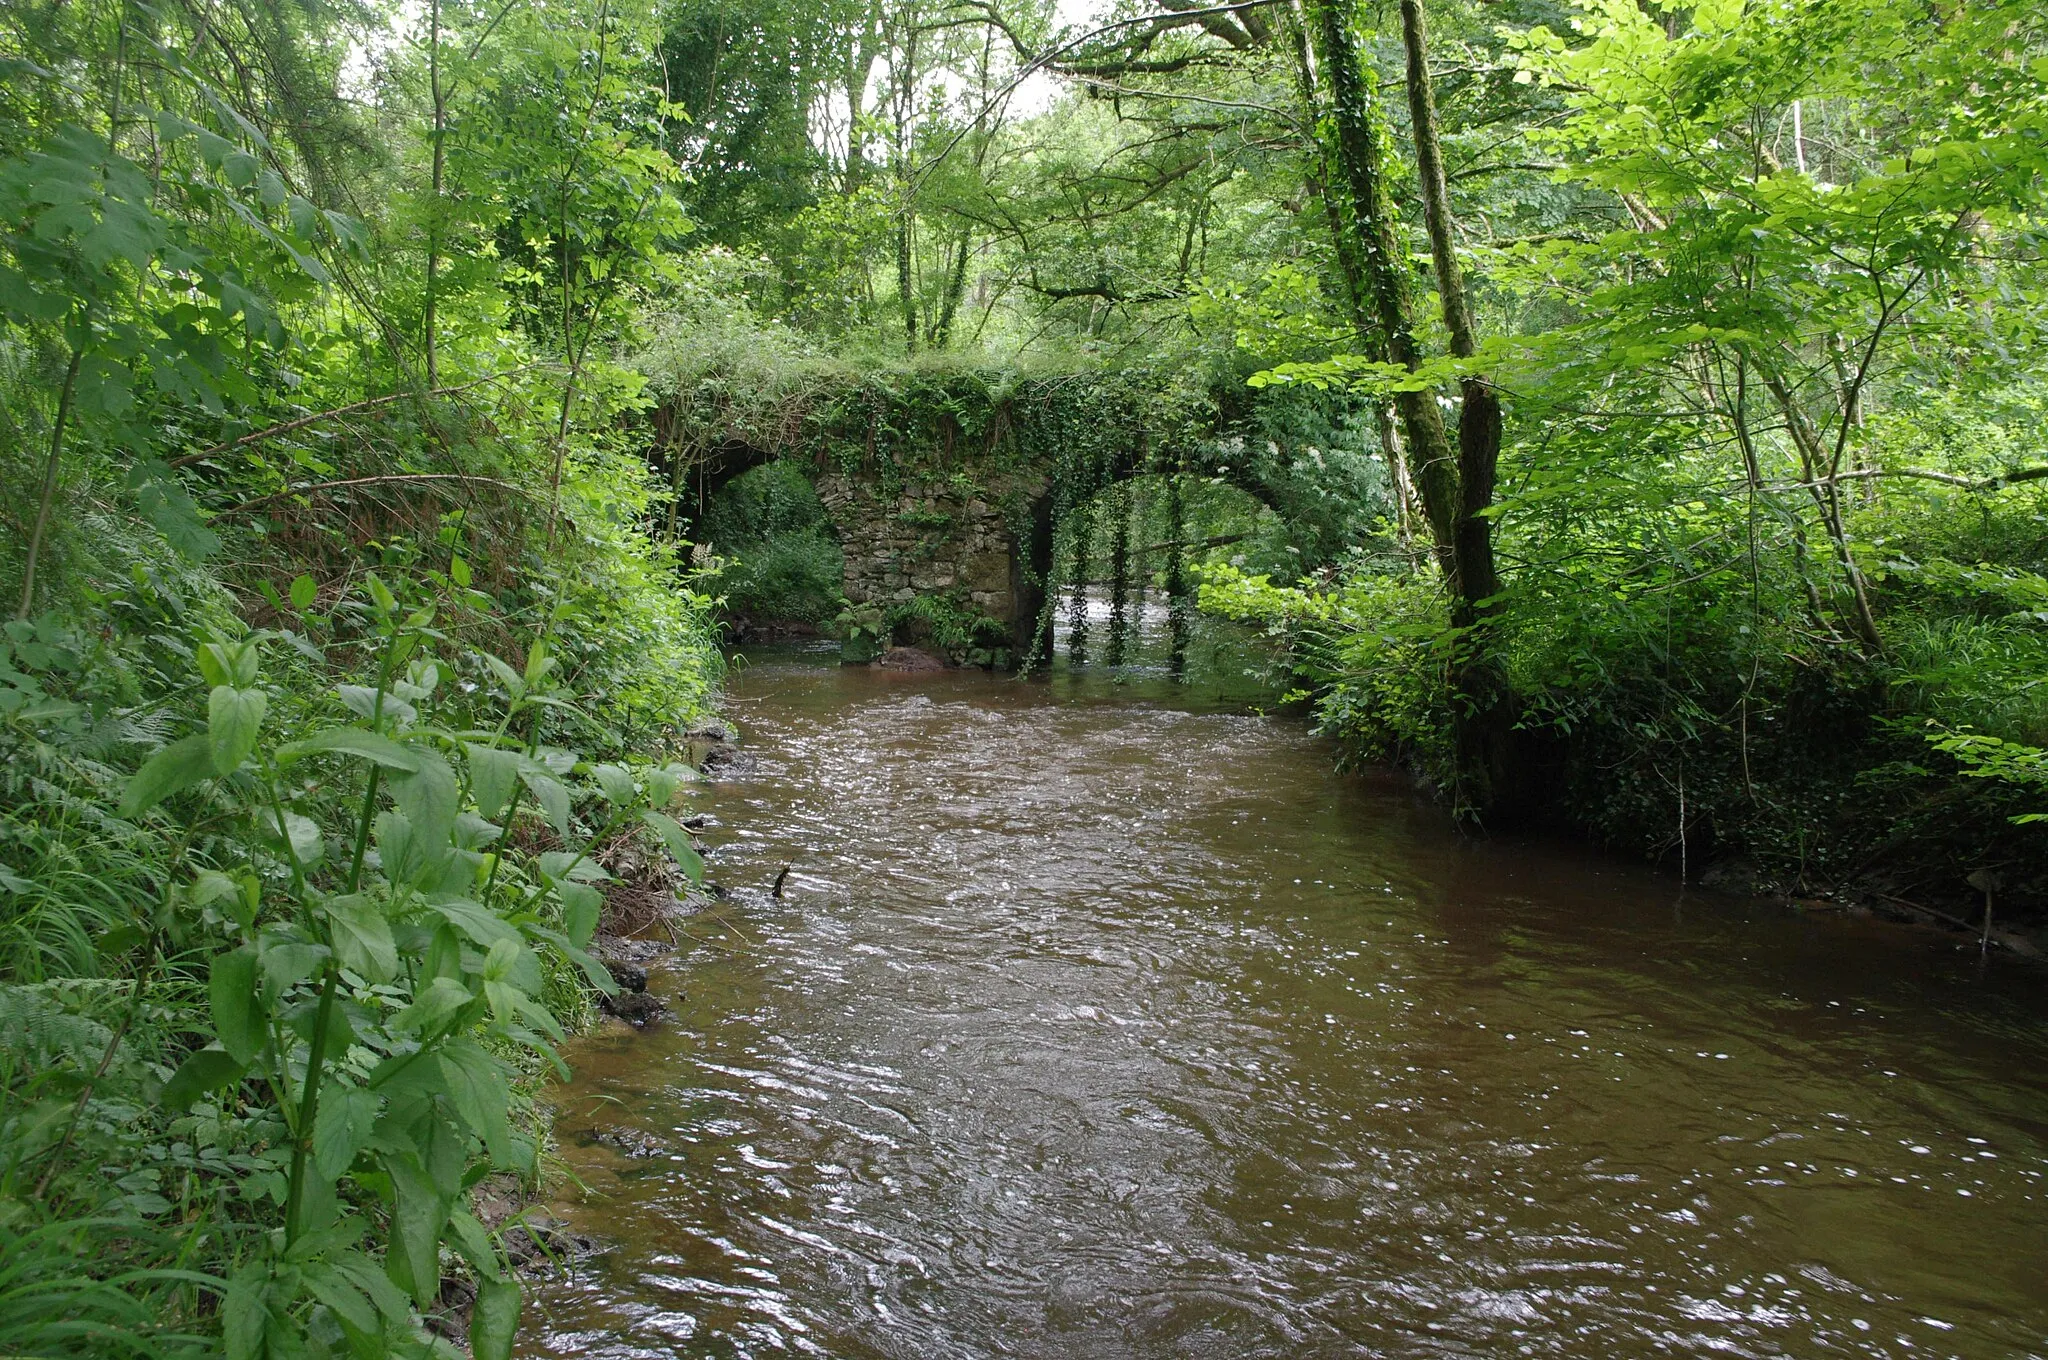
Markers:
point(500, 960)
point(430, 798)
point(216, 664)
point(552, 797)
point(245, 1312)
point(473, 1241)
point(172, 770)
point(679, 844)
point(288, 962)
point(483, 927)
point(348, 1114)
point(492, 774)
point(304, 592)
point(207, 1070)
point(362, 937)
point(480, 1088)
point(403, 855)
point(615, 784)
point(514, 685)
point(238, 1013)
point(350, 1306)
point(308, 846)
point(233, 717)
point(581, 906)
point(170, 508)
point(413, 1258)
point(364, 1274)
point(431, 1007)
point(352, 741)
point(494, 1319)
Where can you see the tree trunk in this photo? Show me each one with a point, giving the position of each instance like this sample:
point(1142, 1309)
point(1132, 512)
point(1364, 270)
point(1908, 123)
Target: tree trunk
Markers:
point(956, 288)
point(440, 132)
point(906, 285)
point(1354, 119)
point(1456, 485)
point(1484, 712)
point(1479, 413)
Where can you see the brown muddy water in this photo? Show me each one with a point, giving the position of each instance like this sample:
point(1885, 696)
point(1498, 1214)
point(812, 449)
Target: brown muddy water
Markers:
point(1096, 1022)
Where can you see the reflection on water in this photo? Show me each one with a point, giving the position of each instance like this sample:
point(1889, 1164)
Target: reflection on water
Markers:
point(1093, 1024)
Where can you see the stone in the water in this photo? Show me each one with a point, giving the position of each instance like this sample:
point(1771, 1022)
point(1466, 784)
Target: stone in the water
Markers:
point(728, 760)
point(709, 728)
point(632, 1142)
point(909, 659)
point(635, 1008)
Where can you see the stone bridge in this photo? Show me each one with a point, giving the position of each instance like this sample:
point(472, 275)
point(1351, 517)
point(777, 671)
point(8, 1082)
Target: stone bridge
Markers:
point(959, 500)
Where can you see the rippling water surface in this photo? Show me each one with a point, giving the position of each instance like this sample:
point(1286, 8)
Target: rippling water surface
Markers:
point(1094, 1025)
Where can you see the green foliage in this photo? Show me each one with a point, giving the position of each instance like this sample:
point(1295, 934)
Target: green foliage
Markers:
point(781, 560)
point(338, 960)
point(948, 623)
point(295, 882)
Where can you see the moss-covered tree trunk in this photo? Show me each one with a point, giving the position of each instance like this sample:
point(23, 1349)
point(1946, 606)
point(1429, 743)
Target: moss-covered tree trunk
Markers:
point(1455, 483)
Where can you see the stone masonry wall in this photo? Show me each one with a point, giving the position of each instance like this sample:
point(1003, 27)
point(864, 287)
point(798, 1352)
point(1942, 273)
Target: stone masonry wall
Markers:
point(928, 539)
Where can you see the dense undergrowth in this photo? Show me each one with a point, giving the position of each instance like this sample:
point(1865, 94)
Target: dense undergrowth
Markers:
point(1692, 709)
point(338, 644)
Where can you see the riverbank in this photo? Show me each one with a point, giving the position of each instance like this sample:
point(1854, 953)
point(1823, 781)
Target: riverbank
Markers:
point(1807, 771)
point(291, 918)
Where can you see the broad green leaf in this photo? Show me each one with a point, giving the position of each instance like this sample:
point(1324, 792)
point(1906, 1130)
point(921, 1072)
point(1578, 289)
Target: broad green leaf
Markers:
point(403, 856)
point(207, 1070)
point(663, 783)
point(615, 784)
point(494, 1319)
point(570, 864)
point(362, 937)
point(233, 717)
point(473, 1241)
point(413, 1258)
point(431, 1007)
point(352, 741)
point(581, 906)
point(367, 1276)
point(287, 962)
point(474, 833)
point(492, 774)
point(308, 845)
point(245, 1312)
point(237, 1007)
point(551, 795)
point(342, 1128)
point(210, 886)
point(679, 844)
point(304, 593)
point(483, 927)
point(479, 1087)
point(175, 768)
point(430, 798)
point(501, 959)
point(515, 685)
point(348, 1303)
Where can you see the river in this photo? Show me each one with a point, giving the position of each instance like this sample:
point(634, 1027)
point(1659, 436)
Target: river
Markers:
point(1101, 1021)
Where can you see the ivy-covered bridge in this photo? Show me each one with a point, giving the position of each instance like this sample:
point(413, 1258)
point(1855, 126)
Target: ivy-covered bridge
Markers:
point(963, 502)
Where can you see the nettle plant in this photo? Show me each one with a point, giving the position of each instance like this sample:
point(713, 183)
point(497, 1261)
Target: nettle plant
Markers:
point(378, 976)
